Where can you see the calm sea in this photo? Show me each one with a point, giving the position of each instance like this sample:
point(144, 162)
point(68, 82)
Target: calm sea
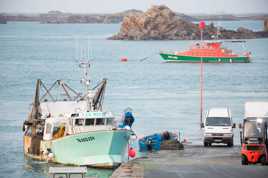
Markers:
point(164, 96)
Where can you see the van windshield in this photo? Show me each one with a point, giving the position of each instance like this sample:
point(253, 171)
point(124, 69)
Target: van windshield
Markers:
point(218, 121)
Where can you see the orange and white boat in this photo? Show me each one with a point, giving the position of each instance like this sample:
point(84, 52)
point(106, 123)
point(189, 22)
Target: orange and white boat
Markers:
point(209, 52)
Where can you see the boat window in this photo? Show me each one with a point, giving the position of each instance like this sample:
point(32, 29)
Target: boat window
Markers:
point(48, 128)
point(89, 121)
point(100, 121)
point(28, 131)
point(60, 175)
point(109, 121)
point(76, 175)
point(79, 122)
point(58, 131)
point(55, 130)
point(74, 115)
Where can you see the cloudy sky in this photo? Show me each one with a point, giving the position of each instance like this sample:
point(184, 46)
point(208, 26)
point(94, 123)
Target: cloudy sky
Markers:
point(108, 6)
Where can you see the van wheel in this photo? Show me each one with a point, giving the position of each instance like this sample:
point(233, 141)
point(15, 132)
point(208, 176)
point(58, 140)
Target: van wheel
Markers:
point(263, 160)
point(206, 144)
point(244, 160)
point(230, 144)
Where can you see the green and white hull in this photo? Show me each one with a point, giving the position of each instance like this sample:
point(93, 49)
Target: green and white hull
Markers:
point(95, 148)
point(192, 59)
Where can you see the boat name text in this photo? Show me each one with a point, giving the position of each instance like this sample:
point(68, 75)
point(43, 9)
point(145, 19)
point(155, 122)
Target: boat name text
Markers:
point(85, 139)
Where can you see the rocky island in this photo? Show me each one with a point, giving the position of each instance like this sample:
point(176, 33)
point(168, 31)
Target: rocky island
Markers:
point(160, 23)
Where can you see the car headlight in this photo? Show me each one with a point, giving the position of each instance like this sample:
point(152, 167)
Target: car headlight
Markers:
point(208, 135)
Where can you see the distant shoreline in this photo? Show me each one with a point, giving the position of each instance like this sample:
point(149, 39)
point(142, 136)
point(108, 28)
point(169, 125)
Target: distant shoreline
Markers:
point(57, 17)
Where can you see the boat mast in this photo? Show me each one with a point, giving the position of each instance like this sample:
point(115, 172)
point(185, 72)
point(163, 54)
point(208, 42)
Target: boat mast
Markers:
point(35, 114)
point(85, 65)
point(93, 96)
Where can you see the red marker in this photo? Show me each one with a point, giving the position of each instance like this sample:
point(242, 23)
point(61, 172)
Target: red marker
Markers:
point(131, 153)
point(202, 25)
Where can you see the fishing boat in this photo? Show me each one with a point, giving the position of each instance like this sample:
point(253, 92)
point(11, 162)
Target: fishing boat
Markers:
point(208, 52)
point(72, 128)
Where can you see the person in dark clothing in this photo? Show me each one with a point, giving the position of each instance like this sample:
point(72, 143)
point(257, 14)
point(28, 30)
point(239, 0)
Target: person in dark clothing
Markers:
point(129, 119)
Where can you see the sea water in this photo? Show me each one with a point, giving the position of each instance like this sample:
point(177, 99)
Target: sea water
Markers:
point(163, 96)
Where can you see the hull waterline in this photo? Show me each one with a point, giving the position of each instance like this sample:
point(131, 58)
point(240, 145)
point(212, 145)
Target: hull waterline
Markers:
point(192, 59)
point(104, 149)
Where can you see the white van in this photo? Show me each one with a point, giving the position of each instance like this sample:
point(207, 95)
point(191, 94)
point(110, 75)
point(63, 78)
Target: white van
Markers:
point(218, 127)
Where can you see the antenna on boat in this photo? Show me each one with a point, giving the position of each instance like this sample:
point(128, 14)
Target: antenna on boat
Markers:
point(85, 66)
point(76, 48)
point(82, 56)
point(89, 49)
point(218, 31)
point(88, 55)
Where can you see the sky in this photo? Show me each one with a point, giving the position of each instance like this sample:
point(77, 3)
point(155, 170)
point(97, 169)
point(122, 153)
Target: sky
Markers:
point(110, 6)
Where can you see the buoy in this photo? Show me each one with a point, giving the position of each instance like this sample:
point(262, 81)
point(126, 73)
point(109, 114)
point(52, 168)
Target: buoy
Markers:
point(131, 152)
point(123, 59)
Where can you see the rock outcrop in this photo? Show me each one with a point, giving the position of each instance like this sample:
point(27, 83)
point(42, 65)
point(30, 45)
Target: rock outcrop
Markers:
point(160, 23)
